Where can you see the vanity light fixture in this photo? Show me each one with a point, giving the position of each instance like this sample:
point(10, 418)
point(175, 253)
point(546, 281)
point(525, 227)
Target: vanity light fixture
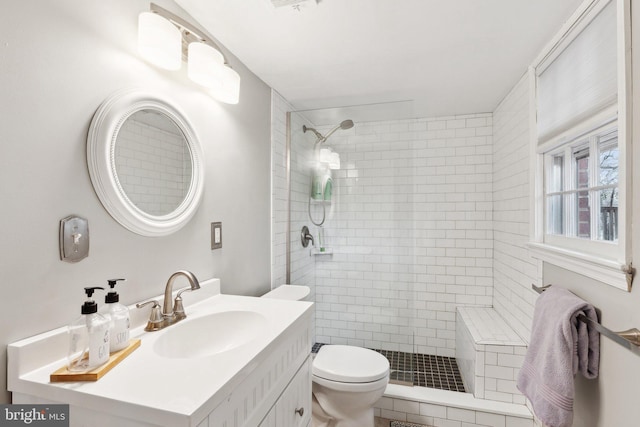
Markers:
point(166, 40)
point(159, 41)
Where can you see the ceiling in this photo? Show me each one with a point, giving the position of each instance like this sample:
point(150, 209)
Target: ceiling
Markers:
point(426, 58)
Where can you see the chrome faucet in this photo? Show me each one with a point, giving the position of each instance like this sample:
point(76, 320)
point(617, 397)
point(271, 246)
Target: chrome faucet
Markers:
point(170, 315)
point(167, 310)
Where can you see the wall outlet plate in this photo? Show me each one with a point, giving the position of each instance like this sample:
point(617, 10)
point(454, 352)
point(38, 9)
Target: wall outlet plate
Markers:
point(74, 238)
point(216, 235)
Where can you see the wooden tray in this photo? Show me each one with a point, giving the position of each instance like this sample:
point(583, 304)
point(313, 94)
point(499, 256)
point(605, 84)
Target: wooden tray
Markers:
point(63, 374)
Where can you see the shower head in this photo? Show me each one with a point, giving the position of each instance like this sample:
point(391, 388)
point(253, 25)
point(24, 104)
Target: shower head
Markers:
point(345, 124)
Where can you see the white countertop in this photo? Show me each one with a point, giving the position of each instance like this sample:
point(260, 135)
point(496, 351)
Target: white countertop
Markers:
point(151, 388)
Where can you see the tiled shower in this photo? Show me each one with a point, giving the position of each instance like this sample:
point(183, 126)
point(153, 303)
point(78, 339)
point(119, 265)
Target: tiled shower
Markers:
point(411, 233)
point(419, 208)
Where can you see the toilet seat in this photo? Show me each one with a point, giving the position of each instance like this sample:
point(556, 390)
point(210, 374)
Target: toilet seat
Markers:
point(352, 387)
point(349, 365)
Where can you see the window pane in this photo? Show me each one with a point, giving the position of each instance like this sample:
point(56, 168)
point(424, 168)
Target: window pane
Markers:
point(608, 227)
point(581, 158)
point(583, 215)
point(555, 214)
point(556, 173)
point(608, 159)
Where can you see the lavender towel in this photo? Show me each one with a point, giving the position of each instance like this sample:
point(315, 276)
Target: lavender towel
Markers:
point(560, 347)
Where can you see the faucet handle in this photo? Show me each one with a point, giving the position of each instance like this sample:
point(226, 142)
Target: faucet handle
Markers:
point(156, 318)
point(178, 308)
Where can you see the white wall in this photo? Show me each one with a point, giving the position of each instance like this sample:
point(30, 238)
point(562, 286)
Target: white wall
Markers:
point(58, 61)
point(611, 399)
point(608, 400)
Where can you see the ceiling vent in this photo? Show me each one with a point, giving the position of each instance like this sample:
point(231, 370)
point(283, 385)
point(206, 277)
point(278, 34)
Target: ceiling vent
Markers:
point(293, 5)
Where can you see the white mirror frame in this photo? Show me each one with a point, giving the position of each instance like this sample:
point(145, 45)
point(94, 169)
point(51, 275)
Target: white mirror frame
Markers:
point(101, 142)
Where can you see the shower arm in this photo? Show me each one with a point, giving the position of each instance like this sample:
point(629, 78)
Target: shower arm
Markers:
point(331, 132)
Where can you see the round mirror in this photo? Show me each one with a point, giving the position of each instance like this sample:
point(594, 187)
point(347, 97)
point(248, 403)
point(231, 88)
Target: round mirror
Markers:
point(145, 163)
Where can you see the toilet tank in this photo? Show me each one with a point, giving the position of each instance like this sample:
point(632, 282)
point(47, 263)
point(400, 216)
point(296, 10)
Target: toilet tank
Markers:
point(289, 292)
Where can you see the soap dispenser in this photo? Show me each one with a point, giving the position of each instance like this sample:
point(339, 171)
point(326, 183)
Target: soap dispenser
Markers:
point(88, 337)
point(118, 316)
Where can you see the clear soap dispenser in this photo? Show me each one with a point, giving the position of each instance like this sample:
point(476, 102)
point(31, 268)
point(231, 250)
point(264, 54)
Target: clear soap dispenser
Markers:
point(118, 316)
point(88, 337)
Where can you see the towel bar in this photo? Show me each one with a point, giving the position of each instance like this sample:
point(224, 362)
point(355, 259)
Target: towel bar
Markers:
point(629, 339)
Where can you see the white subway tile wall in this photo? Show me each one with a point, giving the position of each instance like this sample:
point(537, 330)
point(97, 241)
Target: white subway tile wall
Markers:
point(411, 233)
point(466, 358)
point(302, 267)
point(153, 165)
point(513, 268)
point(279, 195)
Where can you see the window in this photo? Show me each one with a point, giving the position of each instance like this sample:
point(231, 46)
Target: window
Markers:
point(580, 144)
point(582, 198)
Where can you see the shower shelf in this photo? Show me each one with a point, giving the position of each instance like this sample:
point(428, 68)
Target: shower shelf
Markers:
point(327, 251)
point(319, 202)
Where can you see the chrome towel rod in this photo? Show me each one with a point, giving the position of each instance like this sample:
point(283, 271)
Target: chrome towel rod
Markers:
point(629, 339)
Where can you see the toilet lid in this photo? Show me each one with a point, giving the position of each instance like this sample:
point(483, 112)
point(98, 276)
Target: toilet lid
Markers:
point(288, 292)
point(349, 364)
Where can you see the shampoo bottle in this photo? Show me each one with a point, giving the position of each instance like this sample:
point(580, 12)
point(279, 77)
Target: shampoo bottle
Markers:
point(118, 316)
point(88, 337)
point(316, 184)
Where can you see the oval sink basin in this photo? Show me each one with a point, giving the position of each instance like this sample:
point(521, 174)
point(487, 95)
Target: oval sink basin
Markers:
point(209, 335)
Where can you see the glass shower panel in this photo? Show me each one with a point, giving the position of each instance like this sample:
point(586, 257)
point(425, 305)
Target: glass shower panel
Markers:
point(300, 265)
point(362, 267)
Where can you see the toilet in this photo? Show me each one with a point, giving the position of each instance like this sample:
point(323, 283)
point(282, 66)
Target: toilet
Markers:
point(347, 380)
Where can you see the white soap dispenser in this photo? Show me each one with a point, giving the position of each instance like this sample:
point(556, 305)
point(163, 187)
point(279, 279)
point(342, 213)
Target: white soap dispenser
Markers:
point(88, 337)
point(118, 315)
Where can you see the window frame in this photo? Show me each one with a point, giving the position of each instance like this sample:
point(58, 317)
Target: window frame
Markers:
point(606, 261)
point(570, 238)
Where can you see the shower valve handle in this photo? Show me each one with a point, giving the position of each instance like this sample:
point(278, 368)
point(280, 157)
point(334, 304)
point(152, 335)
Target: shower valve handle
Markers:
point(305, 237)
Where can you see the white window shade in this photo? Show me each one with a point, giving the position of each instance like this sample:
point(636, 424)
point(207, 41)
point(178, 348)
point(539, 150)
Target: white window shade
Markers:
point(580, 80)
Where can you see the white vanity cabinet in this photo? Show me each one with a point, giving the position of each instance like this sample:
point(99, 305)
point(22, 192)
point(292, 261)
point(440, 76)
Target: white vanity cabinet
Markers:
point(280, 384)
point(260, 383)
point(293, 408)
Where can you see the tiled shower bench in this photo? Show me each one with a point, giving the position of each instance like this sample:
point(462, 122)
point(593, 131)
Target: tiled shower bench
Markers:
point(489, 354)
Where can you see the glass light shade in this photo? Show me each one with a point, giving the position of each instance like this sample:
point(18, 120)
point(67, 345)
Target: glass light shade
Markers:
point(334, 163)
point(159, 41)
point(229, 92)
point(205, 65)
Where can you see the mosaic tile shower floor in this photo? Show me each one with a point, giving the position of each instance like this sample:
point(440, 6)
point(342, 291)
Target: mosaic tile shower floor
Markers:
point(423, 370)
